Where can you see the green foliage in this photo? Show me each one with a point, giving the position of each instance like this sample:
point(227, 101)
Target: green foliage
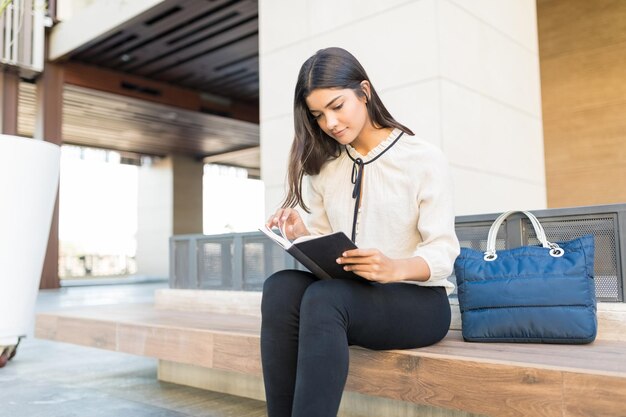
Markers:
point(4, 5)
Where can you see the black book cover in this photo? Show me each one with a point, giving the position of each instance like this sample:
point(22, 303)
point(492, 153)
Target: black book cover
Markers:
point(319, 255)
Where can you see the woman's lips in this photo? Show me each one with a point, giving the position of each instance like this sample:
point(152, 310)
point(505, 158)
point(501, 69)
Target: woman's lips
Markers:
point(340, 133)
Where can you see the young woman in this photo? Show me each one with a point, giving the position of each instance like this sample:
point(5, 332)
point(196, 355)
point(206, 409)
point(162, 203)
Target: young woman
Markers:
point(368, 176)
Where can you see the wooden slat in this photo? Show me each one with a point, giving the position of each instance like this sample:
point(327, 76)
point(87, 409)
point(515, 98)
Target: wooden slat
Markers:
point(238, 353)
point(178, 345)
point(583, 68)
point(221, 302)
point(612, 321)
point(502, 390)
point(583, 80)
point(590, 396)
point(566, 26)
point(602, 356)
point(584, 149)
point(79, 331)
point(94, 118)
point(611, 316)
point(497, 379)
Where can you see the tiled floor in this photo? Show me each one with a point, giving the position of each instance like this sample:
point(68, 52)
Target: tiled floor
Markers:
point(57, 379)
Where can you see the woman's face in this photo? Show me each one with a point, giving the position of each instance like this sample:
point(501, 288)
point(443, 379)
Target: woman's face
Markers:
point(339, 113)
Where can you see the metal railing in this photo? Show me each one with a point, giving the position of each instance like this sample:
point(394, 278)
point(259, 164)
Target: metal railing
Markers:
point(93, 265)
point(22, 28)
point(242, 261)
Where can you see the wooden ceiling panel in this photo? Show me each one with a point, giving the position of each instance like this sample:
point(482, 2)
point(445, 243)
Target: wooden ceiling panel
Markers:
point(198, 44)
point(205, 56)
point(105, 120)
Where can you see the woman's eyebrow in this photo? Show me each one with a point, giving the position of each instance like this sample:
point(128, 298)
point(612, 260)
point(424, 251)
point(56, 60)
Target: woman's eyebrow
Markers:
point(330, 103)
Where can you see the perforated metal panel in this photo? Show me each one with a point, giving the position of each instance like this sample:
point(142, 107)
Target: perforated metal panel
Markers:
point(180, 276)
point(215, 263)
point(475, 236)
point(254, 265)
point(261, 258)
point(244, 260)
point(604, 230)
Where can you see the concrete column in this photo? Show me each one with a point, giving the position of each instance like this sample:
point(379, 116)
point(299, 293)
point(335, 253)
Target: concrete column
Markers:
point(9, 87)
point(187, 177)
point(155, 218)
point(461, 76)
point(48, 127)
point(170, 203)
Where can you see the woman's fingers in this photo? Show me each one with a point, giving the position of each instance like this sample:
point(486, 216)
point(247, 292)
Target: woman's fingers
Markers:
point(360, 253)
point(360, 256)
point(278, 218)
point(273, 219)
point(370, 264)
point(289, 221)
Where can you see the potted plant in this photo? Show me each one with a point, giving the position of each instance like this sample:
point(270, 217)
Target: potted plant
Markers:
point(29, 177)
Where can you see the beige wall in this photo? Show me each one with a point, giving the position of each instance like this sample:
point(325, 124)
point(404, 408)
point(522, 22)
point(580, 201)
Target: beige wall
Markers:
point(583, 79)
point(463, 75)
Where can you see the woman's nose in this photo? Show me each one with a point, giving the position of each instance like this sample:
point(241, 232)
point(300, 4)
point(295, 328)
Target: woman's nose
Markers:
point(331, 122)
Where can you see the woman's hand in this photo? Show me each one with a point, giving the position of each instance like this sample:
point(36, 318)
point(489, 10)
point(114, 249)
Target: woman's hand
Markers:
point(373, 265)
point(288, 220)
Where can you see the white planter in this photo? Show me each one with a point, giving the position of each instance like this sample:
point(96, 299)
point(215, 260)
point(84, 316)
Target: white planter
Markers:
point(29, 177)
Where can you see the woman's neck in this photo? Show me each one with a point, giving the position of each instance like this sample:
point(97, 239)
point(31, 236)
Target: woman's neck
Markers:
point(370, 138)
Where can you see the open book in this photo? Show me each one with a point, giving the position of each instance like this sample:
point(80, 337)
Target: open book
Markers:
point(317, 253)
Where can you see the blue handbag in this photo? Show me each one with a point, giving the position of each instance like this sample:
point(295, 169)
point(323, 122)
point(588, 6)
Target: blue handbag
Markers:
point(531, 294)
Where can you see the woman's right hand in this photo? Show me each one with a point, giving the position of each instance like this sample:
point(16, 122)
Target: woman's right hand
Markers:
point(288, 220)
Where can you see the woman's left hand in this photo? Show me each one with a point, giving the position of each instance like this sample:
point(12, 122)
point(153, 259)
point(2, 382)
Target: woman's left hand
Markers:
point(372, 265)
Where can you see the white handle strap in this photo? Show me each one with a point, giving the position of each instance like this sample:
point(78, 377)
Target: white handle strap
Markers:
point(490, 253)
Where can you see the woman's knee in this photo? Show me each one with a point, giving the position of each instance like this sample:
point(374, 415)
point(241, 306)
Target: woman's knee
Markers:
point(325, 298)
point(283, 290)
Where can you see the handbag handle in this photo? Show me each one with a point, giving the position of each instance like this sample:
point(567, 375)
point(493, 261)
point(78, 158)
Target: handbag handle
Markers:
point(490, 253)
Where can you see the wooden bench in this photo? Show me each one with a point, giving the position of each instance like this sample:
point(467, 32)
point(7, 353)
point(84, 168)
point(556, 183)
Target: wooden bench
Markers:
point(210, 339)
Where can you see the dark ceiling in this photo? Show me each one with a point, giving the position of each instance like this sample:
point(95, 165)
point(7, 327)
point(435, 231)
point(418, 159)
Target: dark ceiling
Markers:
point(105, 120)
point(206, 46)
point(211, 46)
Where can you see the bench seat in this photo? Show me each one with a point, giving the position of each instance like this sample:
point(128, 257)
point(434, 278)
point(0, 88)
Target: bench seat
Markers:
point(495, 379)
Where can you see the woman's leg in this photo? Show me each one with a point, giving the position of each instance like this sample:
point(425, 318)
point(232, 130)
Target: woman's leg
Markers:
point(280, 309)
point(337, 313)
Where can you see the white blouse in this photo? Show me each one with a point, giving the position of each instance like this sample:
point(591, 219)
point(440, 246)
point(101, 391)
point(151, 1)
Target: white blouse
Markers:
point(406, 204)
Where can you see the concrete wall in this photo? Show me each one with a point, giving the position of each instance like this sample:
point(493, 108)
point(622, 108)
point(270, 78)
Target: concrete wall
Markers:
point(463, 75)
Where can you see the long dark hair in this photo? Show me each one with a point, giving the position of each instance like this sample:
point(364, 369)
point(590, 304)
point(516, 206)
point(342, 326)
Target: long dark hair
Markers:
point(311, 147)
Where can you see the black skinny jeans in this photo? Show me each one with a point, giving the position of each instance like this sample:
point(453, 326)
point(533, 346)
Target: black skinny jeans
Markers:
point(308, 324)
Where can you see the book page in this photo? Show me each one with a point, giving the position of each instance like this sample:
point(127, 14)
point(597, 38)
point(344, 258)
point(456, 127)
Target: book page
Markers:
point(307, 237)
point(280, 239)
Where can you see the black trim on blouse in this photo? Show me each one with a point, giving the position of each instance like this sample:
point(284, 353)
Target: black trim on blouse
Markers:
point(358, 166)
